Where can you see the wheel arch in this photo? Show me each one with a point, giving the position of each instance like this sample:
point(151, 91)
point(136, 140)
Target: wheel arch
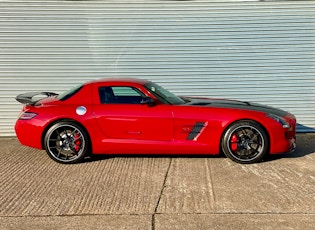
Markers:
point(65, 120)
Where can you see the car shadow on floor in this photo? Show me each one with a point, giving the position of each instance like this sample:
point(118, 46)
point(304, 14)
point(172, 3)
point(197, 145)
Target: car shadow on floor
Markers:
point(305, 146)
point(101, 157)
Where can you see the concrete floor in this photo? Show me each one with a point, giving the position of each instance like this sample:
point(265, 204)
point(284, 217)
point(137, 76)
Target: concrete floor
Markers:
point(156, 192)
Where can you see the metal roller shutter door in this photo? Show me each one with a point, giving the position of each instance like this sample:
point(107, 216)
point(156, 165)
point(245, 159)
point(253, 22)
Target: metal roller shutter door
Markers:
point(254, 51)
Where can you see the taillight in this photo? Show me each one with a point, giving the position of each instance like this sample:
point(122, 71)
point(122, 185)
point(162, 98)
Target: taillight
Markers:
point(27, 116)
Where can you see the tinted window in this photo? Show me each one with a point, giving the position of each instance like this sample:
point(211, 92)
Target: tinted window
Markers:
point(120, 95)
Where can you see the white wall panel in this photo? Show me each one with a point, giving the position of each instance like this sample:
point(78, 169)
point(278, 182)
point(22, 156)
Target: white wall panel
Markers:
point(257, 51)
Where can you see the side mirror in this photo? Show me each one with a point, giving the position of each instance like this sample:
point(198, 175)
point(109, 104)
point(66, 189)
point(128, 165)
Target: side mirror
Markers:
point(147, 101)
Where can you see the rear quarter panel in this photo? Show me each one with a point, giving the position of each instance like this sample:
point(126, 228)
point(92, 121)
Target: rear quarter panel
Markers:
point(32, 132)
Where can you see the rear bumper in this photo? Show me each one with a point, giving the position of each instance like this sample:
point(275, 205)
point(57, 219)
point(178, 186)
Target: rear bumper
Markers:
point(28, 133)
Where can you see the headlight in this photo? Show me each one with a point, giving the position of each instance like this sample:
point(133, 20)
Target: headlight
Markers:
point(279, 120)
point(27, 116)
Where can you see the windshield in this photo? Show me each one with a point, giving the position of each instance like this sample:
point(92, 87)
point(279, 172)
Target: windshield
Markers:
point(163, 95)
point(66, 95)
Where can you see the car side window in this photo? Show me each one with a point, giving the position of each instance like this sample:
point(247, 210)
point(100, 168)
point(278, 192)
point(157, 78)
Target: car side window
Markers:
point(120, 95)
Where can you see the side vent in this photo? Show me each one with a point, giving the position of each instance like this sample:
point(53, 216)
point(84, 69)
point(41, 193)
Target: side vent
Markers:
point(196, 130)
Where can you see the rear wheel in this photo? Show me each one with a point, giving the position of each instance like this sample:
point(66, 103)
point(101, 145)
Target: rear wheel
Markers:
point(66, 142)
point(245, 142)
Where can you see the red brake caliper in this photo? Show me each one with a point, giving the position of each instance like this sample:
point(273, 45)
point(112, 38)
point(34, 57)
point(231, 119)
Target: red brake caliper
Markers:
point(233, 141)
point(77, 142)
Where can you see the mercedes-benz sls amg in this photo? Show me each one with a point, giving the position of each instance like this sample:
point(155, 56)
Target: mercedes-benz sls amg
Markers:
point(133, 116)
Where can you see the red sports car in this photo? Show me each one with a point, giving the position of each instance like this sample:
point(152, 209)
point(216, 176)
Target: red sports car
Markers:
point(133, 116)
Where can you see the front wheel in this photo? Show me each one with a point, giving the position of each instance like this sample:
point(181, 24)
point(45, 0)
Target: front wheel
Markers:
point(66, 142)
point(245, 142)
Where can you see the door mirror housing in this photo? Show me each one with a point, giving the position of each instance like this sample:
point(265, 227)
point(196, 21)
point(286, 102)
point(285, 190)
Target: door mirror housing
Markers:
point(147, 101)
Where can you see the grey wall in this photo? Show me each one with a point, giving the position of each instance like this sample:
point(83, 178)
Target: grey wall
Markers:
point(255, 51)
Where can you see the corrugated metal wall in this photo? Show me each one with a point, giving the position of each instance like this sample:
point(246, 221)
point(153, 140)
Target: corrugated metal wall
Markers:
point(255, 51)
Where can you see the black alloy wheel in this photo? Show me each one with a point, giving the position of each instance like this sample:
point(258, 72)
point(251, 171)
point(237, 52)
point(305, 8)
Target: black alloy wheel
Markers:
point(66, 142)
point(245, 142)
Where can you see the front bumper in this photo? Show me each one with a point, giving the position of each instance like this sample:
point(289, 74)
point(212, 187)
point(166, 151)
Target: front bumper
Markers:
point(283, 140)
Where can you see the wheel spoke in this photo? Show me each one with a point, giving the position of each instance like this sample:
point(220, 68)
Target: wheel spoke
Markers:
point(252, 149)
point(74, 132)
point(77, 138)
point(54, 140)
point(67, 155)
point(76, 145)
point(57, 133)
point(59, 152)
point(244, 132)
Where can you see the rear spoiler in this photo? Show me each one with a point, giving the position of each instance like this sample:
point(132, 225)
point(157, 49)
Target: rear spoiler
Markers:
point(27, 98)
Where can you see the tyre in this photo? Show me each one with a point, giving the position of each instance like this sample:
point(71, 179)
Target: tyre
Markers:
point(66, 142)
point(245, 142)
